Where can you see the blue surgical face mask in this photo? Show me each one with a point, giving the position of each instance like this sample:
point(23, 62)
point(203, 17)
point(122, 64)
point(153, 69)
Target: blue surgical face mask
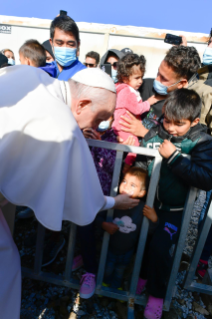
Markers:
point(65, 56)
point(114, 75)
point(161, 88)
point(11, 61)
point(104, 126)
point(207, 56)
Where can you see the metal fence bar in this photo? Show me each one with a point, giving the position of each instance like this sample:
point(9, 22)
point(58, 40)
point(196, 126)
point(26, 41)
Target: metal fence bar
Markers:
point(123, 148)
point(70, 251)
point(180, 246)
point(39, 249)
point(197, 251)
point(114, 189)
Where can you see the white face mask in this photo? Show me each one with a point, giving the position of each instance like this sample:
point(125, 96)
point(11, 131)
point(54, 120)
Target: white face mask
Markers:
point(207, 56)
point(11, 61)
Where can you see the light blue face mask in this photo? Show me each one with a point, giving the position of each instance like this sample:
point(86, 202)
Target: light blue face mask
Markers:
point(114, 75)
point(207, 56)
point(161, 88)
point(65, 56)
point(104, 126)
point(11, 61)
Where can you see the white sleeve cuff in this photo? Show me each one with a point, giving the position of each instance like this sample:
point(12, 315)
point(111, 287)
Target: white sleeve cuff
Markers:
point(109, 203)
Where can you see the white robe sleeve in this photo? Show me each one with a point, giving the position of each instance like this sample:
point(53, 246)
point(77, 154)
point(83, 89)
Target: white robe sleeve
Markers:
point(109, 203)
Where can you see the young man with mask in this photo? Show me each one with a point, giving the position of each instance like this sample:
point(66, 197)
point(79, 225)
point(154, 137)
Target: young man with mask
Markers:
point(174, 72)
point(65, 44)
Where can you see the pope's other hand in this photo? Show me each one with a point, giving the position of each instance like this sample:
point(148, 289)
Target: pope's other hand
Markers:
point(124, 201)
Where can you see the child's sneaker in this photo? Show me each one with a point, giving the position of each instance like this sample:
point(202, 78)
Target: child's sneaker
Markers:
point(154, 308)
point(140, 286)
point(201, 268)
point(77, 263)
point(88, 285)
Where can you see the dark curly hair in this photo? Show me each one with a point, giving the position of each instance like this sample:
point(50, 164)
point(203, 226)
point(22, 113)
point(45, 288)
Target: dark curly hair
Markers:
point(185, 61)
point(210, 36)
point(126, 64)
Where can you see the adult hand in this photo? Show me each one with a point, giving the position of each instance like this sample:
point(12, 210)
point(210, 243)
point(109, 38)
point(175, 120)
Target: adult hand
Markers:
point(184, 40)
point(91, 133)
point(133, 125)
point(124, 201)
point(111, 228)
point(166, 149)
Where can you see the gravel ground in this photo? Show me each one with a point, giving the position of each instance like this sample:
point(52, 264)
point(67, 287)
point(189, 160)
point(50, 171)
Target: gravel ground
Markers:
point(46, 301)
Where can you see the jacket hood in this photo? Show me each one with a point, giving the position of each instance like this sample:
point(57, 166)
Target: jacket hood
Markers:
point(50, 68)
point(47, 46)
point(118, 53)
point(120, 86)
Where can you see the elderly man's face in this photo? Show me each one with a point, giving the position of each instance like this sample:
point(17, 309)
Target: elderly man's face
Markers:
point(88, 115)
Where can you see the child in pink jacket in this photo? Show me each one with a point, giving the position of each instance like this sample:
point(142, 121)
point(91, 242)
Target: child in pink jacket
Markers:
point(131, 70)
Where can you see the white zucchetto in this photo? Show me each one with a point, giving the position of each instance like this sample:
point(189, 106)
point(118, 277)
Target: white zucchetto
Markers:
point(95, 77)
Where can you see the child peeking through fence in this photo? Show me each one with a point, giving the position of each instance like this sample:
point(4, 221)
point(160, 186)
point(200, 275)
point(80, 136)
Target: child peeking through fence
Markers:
point(125, 227)
point(179, 132)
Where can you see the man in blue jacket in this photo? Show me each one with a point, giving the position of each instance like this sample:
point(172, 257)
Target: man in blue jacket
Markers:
point(65, 42)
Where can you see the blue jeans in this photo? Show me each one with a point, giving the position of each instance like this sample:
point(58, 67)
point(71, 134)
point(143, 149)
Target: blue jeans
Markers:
point(115, 267)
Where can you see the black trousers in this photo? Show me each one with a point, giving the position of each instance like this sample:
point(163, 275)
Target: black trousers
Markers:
point(158, 255)
point(88, 247)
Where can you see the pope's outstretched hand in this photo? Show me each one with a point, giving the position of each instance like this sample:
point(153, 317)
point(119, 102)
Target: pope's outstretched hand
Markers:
point(124, 201)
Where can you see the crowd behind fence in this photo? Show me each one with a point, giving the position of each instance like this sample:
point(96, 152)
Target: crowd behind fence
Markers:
point(67, 280)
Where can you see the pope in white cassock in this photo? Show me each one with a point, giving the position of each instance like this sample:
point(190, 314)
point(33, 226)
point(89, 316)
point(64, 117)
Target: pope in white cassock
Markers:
point(45, 162)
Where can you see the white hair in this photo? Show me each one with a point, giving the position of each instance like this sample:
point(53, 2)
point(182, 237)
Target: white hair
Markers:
point(98, 96)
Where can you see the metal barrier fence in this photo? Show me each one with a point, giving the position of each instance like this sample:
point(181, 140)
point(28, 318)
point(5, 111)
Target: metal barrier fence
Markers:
point(189, 282)
point(130, 296)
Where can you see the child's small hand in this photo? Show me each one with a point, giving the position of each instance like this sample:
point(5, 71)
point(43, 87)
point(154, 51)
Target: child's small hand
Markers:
point(111, 228)
point(126, 168)
point(166, 149)
point(150, 213)
point(154, 99)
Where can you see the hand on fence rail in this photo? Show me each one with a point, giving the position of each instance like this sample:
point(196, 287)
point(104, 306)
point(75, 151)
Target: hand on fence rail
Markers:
point(166, 149)
point(150, 213)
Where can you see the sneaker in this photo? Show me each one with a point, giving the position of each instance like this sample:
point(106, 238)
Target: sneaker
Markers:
point(24, 214)
point(141, 285)
point(201, 268)
point(154, 308)
point(51, 251)
point(88, 285)
point(77, 263)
